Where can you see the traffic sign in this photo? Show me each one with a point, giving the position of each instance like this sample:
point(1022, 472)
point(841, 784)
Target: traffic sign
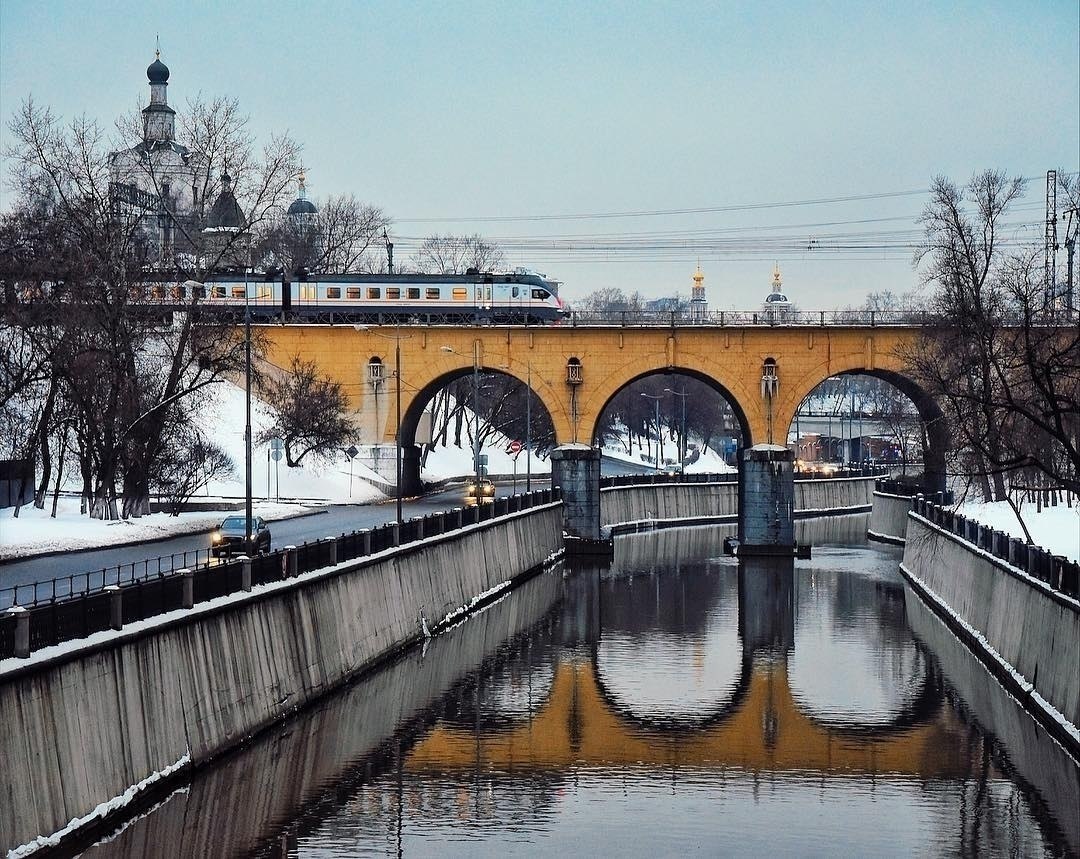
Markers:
point(514, 447)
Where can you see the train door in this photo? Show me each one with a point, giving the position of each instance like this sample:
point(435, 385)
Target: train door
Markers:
point(483, 296)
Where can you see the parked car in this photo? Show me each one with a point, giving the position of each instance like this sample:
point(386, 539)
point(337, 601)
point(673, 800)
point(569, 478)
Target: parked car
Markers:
point(479, 493)
point(229, 537)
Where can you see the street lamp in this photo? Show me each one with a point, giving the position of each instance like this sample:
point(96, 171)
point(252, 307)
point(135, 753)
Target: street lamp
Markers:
point(247, 407)
point(682, 442)
point(476, 413)
point(659, 434)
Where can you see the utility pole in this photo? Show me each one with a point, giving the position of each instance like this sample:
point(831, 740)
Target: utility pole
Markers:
point(1050, 250)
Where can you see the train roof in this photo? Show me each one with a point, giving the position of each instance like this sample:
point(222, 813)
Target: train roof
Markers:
point(531, 278)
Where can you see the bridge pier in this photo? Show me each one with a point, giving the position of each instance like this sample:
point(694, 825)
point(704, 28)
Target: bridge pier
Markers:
point(766, 501)
point(381, 458)
point(576, 469)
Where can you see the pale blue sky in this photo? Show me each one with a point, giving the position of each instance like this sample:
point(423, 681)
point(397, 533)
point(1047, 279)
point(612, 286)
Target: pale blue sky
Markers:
point(527, 109)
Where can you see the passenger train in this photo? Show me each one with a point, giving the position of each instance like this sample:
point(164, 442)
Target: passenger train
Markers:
point(520, 296)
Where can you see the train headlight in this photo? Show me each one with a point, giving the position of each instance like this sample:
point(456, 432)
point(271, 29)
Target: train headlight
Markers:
point(215, 537)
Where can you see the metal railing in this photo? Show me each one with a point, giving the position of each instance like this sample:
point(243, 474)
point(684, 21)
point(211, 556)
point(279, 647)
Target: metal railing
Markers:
point(66, 613)
point(911, 487)
point(663, 477)
point(92, 581)
point(1056, 571)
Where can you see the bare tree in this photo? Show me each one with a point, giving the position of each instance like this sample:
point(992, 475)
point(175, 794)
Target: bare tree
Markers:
point(188, 462)
point(338, 238)
point(309, 413)
point(122, 367)
point(1006, 374)
point(457, 254)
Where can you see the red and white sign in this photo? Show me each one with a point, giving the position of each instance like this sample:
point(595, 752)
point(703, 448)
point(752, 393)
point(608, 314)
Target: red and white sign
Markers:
point(514, 447)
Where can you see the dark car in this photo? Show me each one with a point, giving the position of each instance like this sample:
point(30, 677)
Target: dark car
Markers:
point(229, 537)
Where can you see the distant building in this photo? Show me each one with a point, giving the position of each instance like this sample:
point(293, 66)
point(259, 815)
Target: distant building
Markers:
point(776, 306)
point(159, 180)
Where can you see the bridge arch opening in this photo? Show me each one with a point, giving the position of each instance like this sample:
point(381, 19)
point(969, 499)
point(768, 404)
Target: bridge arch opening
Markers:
point(674, 419)
point(490, 410)
point(878, 417)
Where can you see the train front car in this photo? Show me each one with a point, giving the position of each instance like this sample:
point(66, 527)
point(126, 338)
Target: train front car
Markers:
point(526, 297)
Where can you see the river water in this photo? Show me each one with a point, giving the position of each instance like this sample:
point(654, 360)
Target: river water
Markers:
point(653, 708)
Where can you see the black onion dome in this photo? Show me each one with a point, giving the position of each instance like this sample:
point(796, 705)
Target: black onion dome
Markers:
point(226, 212)
point(157, 72)
point(302, 206)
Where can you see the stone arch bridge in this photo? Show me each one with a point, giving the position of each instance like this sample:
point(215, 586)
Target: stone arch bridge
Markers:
point(576, 370)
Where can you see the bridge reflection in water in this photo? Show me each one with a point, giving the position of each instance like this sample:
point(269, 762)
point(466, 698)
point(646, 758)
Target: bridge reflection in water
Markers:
point(642, 708)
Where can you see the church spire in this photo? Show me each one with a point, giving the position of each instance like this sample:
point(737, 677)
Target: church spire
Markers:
point(159, 120)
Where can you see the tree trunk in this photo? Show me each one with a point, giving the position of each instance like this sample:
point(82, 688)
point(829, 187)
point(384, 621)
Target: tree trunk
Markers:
point(59, 470)
point(43, 446)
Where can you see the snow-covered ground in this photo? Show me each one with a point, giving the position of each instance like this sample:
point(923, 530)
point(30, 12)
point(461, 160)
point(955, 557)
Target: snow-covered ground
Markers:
point(1056, 529)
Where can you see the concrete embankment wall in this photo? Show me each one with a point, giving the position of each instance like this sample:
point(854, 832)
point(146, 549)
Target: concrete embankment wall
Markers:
point(888, 519)
point(719, 502)
point(1036, 757)
point(233, 807)
point(86, 721)
point(1028, 632)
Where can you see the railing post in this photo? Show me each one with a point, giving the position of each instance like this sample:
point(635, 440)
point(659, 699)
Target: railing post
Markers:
point(116, 606)
point(396, 535)
point(245, 573)
point(187, 578)
point(419, 520)
point(333, 551)
point(22, 631)
point(1014, 551)
point(291, 562)
point(366, 533)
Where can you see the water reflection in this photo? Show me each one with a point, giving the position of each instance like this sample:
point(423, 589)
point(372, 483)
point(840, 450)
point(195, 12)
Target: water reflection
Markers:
point(647, 708)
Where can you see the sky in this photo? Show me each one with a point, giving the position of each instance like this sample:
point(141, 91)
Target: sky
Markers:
point(610, 144)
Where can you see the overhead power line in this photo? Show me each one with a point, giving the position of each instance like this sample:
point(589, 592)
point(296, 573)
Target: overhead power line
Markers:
point(650, 213)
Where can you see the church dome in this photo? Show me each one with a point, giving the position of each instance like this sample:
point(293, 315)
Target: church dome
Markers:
point(226, 213)
point(302, 206)
point(157, 72)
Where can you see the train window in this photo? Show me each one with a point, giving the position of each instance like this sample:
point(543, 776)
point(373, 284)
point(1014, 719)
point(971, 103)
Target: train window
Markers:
point(157, 292)
point(414, 293)
point(217, 292)
point(540, 294)
point(374, 292)
point(460, 293)
point(333, 292)
point(238, 292)
point(264, 291)
point(352, 292)
point(197, 291)
point(393, 292)
point(515, 292)
point(307, 290)
point(432, 292)
point(179, 292)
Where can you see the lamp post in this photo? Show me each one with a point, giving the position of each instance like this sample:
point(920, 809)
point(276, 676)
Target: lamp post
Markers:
point(528, 430)
point(476, 412)
point(247, 408)
point(659, 434)
point(682, 442)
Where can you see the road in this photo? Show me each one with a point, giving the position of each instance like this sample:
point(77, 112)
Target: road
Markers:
point(332, 520)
